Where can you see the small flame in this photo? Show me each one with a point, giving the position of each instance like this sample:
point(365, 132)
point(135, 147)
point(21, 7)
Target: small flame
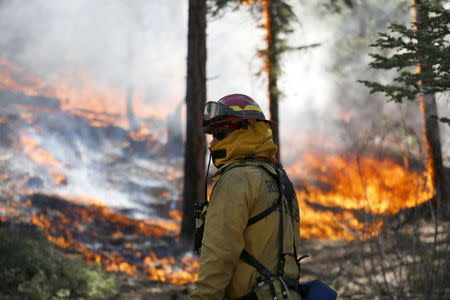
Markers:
point(161, 269)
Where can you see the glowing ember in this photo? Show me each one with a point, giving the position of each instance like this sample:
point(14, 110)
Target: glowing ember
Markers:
point(343, 185)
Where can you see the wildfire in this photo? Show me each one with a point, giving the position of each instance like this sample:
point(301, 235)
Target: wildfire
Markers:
point(341, 187)
point(345, 195)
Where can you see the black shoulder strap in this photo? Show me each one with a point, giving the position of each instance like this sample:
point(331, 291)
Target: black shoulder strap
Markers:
point(265, 213)
point(272, 208)
point(250, 260)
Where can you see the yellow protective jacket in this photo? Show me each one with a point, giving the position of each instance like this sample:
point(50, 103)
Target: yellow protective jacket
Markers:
point(243, 189)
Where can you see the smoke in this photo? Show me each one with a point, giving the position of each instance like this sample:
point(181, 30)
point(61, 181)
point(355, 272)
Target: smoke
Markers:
point(142, 44)
point(137, 43)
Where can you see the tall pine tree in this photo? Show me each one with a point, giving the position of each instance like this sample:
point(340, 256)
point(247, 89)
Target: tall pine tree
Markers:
point(195, 147)
point(420, 54)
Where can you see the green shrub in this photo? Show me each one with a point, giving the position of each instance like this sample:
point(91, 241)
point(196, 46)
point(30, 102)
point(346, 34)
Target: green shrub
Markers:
point(32, 268)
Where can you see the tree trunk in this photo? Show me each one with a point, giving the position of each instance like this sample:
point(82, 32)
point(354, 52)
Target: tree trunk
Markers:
point(271, 63)
point(195, 147)
point(431, 133)
point(132, 123)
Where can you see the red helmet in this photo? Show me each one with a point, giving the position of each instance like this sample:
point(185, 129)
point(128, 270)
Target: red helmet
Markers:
point(229, 108)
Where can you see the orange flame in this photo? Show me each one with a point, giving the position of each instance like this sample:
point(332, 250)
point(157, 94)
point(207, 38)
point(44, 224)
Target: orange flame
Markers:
point(80, 93)
point(161, 269)
point(353, 184)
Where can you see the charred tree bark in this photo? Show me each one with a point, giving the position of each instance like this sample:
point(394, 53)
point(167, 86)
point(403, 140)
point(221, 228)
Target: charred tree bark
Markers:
point(431, 134)
point(195, 147)
point(271, 64)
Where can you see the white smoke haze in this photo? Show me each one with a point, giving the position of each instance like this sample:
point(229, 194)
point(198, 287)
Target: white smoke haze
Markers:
point(120, 42)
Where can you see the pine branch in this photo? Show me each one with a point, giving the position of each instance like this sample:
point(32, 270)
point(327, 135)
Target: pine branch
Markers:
point(409, 48)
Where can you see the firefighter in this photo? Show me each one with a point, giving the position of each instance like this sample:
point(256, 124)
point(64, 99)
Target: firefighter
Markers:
point(250, 225)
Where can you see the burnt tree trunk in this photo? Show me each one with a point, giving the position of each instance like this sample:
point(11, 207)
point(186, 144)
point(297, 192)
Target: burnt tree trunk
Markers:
point(431, 134)
point(271, 63)
point(195, 147)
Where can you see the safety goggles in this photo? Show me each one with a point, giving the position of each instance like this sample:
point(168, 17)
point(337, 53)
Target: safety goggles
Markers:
point(216, 111)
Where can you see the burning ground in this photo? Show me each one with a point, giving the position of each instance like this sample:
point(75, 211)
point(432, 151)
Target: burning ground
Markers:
point(94, 186)
point(104, 180)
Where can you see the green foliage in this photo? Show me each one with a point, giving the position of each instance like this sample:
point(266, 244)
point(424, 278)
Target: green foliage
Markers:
point(31, 268)
point(429, 47)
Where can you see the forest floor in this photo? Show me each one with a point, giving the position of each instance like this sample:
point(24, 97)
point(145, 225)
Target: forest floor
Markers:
point(352, 268)
point(135, 288)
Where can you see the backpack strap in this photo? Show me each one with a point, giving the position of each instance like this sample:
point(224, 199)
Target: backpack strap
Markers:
point(288, 190)
point(274, 205)
point(264, 214)
point(252, 261)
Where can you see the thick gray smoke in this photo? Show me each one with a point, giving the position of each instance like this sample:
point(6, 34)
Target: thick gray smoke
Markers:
point(143, 44)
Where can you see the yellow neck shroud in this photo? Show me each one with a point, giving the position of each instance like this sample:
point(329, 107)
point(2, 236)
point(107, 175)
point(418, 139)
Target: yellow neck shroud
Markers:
point(255, 141)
